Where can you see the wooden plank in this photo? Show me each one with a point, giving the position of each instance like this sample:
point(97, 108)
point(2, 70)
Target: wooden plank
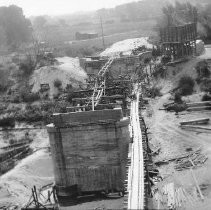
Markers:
point(199, 108)
point(196, 121)
point(196, 127)
point(199, 104)
point(197, 185)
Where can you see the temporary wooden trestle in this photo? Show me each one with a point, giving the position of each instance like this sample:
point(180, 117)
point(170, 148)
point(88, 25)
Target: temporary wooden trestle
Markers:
point(179, 41)
point(100, 88)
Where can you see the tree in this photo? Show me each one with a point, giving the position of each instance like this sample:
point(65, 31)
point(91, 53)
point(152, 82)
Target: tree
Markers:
point(205, 22)
point(17, 28)
point(39, 22)
point(3, 39)
point(178, 14)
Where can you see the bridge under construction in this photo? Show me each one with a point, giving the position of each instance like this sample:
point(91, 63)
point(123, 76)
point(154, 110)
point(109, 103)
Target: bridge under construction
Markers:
point(100, 145)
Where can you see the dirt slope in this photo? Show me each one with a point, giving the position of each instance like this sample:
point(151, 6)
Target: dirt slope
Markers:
point(173, 140)
point(68, 71)
point(126, 46)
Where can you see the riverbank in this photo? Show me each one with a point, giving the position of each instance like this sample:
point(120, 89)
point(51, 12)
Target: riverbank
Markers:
point(15, 185)
point(173, 141)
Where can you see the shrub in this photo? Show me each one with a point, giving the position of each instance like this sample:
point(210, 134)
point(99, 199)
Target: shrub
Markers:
point(156, 52)
point(70, 96)
point(27, 66)
point(47, 106)
point(206, 85)
point(206, 97)
point(15, 98)
point(154, 91)
point(177, 107)
point(41, 113)
point(160, 71)
point(186, 85)
point(7, 121)
point(147, 60)
point(57, 83)
point(61, 107)
point(26, 96)
point(165, 59)
point(177, 98)
point(202, 69)
point(3, 88)
point(30, 114)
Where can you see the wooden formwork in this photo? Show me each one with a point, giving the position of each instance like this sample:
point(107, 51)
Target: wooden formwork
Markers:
point(179, 41)
point(89, 151)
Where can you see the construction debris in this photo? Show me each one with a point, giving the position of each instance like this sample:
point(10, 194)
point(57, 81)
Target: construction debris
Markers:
point(176, 107)
point(156, 152)
point(34, 202)
point(195, 180)
point(183, 161)
point(195, 158)
point(171, 197)
point(197, 185)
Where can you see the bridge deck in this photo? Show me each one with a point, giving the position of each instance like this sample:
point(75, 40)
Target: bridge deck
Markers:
point(136, 170)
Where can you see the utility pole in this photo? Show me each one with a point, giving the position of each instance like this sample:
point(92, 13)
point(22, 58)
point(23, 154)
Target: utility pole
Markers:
point(101, 23)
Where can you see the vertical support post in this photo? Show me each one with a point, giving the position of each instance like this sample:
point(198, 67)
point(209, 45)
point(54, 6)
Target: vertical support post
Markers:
point(93, 103)
point(104, 86)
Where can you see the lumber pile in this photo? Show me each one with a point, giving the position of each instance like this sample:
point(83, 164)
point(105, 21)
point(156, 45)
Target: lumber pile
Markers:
point(199, 106)
point(195, 158)
point(194, 124)
point(182, 161)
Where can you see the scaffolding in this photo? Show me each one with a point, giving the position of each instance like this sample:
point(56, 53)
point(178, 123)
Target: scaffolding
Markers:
point(179, 41)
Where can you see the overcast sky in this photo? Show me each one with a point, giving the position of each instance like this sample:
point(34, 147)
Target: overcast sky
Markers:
point(58, 7)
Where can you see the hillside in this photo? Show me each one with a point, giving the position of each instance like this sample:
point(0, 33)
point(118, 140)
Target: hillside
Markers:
point(68, 71)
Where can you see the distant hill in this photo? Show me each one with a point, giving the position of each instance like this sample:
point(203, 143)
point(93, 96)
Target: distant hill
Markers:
point(133, 11)
point(135, 16)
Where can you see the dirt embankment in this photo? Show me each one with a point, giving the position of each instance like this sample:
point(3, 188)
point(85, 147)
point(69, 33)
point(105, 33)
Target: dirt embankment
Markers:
point(173, 141)
point(36, 169)
point(15, 185)
point(68, 71)
point(126, 46)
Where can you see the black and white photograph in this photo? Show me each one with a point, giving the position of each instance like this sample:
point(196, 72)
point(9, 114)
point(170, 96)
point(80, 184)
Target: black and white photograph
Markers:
point(105, 104)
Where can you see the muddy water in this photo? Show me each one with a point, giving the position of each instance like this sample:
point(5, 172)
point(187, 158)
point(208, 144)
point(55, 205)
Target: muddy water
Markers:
point(165, 132)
